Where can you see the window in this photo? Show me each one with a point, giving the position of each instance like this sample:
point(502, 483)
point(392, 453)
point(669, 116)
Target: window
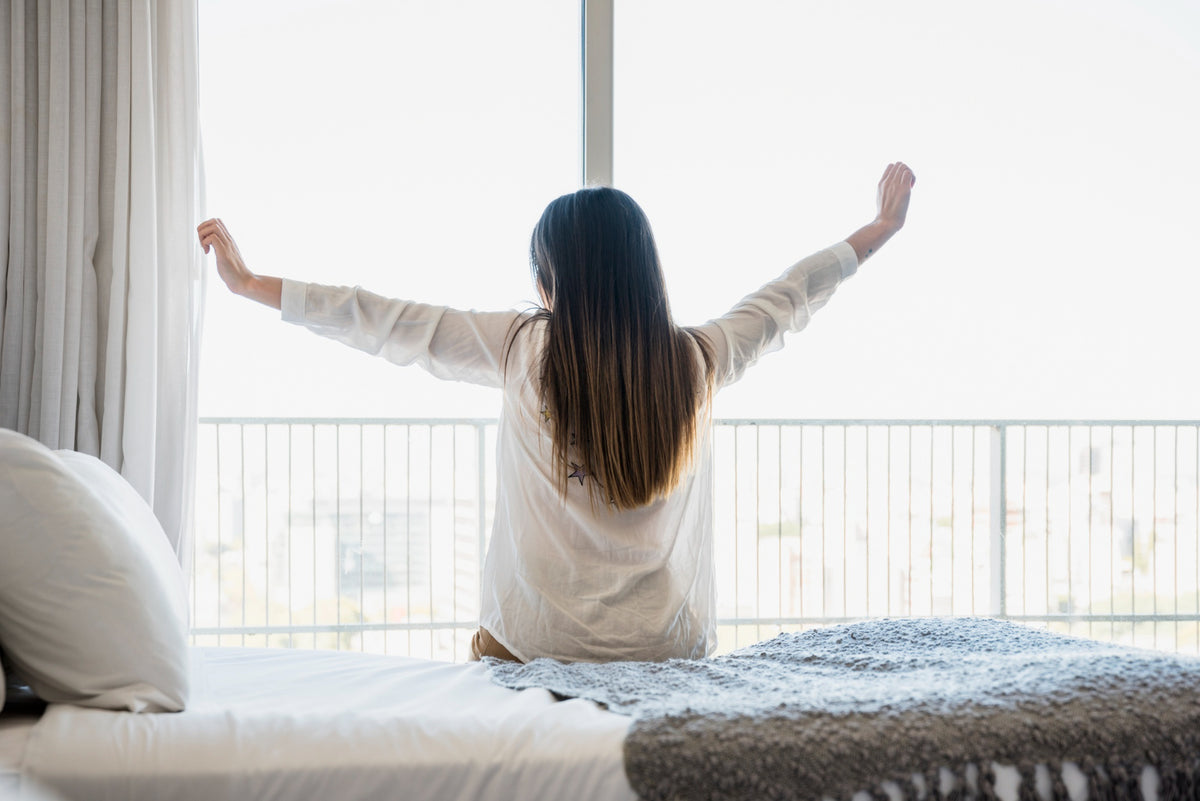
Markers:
point(1045, 274)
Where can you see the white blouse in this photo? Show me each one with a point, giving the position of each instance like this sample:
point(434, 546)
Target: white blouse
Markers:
point(560, 579)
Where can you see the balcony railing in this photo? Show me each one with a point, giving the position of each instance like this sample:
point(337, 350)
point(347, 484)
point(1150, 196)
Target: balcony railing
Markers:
point(370, 533)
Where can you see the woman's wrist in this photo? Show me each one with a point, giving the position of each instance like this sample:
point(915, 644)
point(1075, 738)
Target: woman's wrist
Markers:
point(871, 237)
point(265, 289)
point(248, 287)
point(888, 225)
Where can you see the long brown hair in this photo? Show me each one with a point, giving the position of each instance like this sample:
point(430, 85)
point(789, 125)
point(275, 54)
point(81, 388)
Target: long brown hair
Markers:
point(619, 380)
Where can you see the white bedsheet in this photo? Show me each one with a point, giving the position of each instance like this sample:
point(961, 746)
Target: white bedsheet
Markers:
point(294, 725)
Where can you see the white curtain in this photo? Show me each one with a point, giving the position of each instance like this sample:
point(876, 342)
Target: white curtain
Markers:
point(100, 280)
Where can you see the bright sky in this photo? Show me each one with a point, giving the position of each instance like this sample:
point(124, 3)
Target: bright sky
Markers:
point(1047, 269)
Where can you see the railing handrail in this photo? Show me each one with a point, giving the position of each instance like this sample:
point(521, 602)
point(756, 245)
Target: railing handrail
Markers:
point(766, 421)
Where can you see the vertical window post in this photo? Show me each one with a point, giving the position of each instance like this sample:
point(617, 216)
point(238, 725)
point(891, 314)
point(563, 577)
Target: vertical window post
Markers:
point(597, 17)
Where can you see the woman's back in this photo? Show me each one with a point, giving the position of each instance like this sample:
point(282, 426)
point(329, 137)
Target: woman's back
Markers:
point(567, 580)
point(573, 580)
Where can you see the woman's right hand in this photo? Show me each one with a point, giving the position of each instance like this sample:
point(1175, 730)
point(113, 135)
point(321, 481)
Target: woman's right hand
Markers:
point(895, 188)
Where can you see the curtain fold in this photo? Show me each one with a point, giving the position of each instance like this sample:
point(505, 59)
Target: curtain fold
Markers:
point(100, 279)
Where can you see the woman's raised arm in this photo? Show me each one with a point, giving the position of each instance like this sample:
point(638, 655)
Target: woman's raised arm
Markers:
point(265, 289)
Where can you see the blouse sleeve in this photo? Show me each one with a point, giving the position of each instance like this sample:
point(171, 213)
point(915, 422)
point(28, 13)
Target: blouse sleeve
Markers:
point(448, 343)
point(757, 324)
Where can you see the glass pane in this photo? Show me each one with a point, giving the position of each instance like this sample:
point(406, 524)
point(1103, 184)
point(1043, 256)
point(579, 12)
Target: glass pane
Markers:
point(1046, 269)
point(406, 147)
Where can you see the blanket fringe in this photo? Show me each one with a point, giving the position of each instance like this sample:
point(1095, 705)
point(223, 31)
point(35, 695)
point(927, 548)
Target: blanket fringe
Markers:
point(916, 787)
point(1027, 788)
point(1106, 781)
point(987, 782)
point(933, 785)
point(1058, 788)
point(957, 791)
point(1170, 781)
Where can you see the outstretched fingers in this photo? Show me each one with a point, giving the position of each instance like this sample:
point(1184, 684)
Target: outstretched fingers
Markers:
point(212, 231)
point(898, 173)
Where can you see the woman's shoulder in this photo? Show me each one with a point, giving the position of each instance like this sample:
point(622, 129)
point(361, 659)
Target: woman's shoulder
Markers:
point(524, 341)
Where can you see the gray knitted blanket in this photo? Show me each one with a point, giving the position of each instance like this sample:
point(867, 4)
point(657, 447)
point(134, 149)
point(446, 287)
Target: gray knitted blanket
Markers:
point(834, 711)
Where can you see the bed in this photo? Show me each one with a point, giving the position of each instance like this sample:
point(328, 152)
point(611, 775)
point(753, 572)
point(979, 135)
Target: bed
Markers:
point(93, 618)
point(299, 725)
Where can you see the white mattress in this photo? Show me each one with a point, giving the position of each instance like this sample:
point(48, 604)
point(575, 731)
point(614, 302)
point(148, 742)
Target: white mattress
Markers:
point(14, 734)
point(284, 724)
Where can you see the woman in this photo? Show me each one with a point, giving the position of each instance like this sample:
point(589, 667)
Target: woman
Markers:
point(602, 543)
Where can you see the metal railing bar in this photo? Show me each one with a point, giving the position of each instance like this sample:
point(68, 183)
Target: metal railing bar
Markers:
point(481, 489)
point(313, 441)
point(737, 597)
point(1091, 504)
point(888, 557)
point(267, 525)
point(845, 521)
point(757, 519)
point(1113, 518)
point(291, 604)
point(1024, 519)
point(779, 515)
point(825, 528)
point(408, 571)
point(362, 534)
point(909, 504)
point(1154, 526)
point(1046, 522)
point(337, 518)
point(953, 526)
point(454, 527)
point(1175, 525)
point(429, 531)
point(867, 517)
point(1133, 521)
point(220, 518)
point(242, 460)
point(387, 609)
point(800, 524)
point(974, 497)
point(932, 452)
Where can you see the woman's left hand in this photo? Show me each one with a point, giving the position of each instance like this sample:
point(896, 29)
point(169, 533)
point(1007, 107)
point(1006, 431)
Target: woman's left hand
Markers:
point(230, 264)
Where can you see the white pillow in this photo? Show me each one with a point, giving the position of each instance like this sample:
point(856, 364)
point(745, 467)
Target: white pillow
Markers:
point(93, 603)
